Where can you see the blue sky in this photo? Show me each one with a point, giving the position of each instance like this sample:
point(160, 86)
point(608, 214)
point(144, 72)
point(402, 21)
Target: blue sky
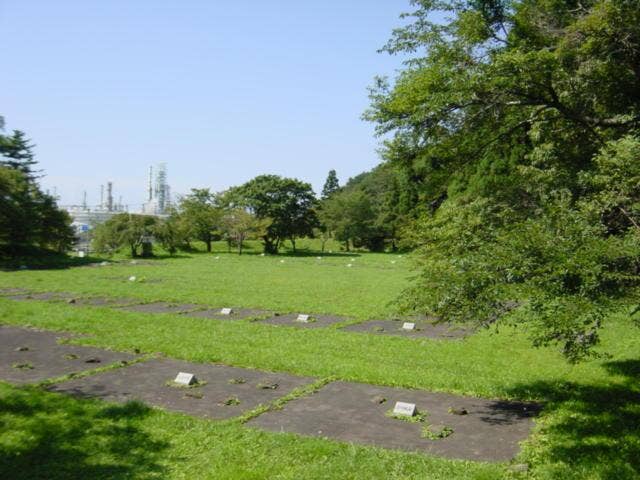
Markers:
point(220, 91)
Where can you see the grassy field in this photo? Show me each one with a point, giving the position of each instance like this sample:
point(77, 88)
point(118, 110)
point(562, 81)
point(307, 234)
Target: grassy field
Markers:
point(590, 427)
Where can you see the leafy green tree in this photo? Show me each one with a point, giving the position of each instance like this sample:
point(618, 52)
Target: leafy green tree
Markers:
point(507, 120)
point(124, 230)
point(239, 225)
point(331, 185)
point(289, 204)
point(170, 233)
point(349, 216)
point(200, 215)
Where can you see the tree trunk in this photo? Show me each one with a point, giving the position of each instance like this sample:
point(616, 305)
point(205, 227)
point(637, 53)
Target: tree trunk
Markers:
point(346, 244)
point(208, 244)
point(293, 244)
point(240, 246)
point(134, 251)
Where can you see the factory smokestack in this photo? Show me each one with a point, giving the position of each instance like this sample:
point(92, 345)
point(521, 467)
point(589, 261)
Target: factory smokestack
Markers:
point(110, 196)
point(101, 196)
point(150, 183)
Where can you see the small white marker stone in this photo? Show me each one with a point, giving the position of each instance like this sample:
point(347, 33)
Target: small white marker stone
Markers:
point(408, 326)
point(281, 261)
point(81, 254)
point(132, 278)
point(217, 258)
point(403, 408)
point(349, 265)
point(262, 254)
point(303, 318)
point(226, 311)
point(185, 378)
point(393, 262)
point(319, 258)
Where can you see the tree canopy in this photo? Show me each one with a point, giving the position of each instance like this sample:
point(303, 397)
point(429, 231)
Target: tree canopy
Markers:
point(288, 203)
point(29, 218)
point(516, 123)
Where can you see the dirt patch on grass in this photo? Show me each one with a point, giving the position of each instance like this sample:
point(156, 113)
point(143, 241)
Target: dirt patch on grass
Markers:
point(449, 425)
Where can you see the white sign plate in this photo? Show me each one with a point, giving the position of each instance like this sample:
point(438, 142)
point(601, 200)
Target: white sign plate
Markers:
point(303, 318)
point(226, 311)
point(185, 378)
point(403, 408)
point(408, 326)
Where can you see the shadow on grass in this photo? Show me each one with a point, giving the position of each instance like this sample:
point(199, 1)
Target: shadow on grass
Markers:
point(45, 261)
point(56, 437)
point(594, 430)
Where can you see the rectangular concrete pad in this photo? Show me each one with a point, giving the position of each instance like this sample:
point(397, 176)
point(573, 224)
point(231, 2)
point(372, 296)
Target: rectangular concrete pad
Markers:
point(146, 381)
point(423, 329)
point(351, 412)
point(317, 321)
point(161, 307)
point(43, 296)
point(12, 291)
point(48, 358)
point(237, 314)
point(105, 301)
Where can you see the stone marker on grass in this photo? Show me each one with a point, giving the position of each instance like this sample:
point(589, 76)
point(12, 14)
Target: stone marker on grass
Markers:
point(226, 311)
point(185, 379)
point(408, 326)
point(304, 318)
point(404, 409)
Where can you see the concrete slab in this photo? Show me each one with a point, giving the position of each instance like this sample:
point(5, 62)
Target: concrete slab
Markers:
point(162, 307)
point(13, 291)
point(104, 301)
point(423, 328)
point(315, 321)
point(228, 392)
point(42, 296)
point(31, 356)
point(354, 412)
point(236, 314)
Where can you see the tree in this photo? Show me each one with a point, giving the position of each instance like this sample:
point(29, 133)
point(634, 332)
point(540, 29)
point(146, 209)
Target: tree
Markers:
point(239, 225)
point(506, 119)
point(29, 218)
point(288, 203)
point(349, 216)
point(200, 215)
point(331, 185)
point(170, 232)
point(16, 152)
point(124, 230)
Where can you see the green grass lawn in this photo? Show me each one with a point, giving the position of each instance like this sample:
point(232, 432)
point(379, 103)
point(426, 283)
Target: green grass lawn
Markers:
point(285, 282)
point(590, 427)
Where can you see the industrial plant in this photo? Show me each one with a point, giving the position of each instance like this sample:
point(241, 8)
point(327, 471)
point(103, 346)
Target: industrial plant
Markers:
point(158, 202)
